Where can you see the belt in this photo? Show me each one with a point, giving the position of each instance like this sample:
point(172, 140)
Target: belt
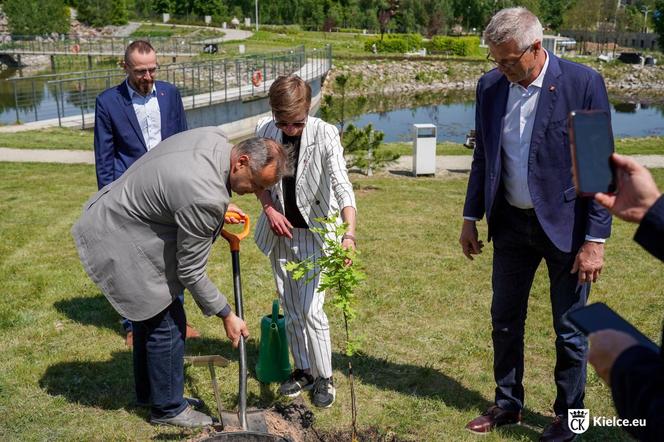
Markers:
point(527, 212)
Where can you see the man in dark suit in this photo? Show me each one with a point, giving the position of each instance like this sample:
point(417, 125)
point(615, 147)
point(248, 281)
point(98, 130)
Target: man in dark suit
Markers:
point(133, 117)
point(521, 179)
point(634, 372)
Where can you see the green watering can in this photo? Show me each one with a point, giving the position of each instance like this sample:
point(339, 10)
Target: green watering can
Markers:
point(273, 363)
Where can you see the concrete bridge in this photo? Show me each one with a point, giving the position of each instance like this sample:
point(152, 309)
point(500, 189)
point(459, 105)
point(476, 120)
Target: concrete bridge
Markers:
point(227, 93)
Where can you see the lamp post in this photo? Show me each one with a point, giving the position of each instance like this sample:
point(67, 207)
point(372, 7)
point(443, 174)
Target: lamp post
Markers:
point(256, 1)
point(645, 18)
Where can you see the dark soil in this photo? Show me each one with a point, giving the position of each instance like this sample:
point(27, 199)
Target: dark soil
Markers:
point(295, 423)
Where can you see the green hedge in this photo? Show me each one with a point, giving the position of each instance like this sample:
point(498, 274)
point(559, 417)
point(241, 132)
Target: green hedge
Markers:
point(350, 30)
point(282, 29)
point(461, 46)
point(398, 43)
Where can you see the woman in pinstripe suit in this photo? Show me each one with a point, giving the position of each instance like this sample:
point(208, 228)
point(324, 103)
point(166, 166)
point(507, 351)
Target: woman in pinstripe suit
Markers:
point(320, 188)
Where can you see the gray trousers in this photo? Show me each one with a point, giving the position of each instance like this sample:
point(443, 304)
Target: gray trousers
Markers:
point(307, 327)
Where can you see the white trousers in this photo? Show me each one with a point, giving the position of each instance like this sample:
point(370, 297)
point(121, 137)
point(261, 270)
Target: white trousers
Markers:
point(307, 327)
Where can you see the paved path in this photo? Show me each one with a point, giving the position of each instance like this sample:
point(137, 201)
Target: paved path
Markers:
point(455, 163)
point(126, 30)
point(47, 156)
point(462, 162)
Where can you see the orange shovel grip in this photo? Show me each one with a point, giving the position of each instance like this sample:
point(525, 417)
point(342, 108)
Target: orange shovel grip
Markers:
point(235, 238)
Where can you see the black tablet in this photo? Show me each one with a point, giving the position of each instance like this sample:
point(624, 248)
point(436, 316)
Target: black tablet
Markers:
point(599, 316)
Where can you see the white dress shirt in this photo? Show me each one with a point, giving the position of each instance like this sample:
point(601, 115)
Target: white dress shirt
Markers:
point(517, 131)
point(148, 115)
point(515, 141)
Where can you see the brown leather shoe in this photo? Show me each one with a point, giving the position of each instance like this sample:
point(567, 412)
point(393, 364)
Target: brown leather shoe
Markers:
point(493, 417)
point(192, 333)
point(557, 431)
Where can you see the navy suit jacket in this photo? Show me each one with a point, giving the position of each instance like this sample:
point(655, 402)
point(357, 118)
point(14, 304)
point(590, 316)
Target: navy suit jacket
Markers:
point(637, 376)
point(565, 218)
point(118, 137)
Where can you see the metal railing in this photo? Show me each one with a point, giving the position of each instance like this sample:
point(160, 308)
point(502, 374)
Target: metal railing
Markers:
point(166, 46)
point(202, 83)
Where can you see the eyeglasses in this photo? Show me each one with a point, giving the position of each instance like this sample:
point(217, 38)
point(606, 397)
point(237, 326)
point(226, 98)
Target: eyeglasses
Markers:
point(285, 124)
point(142, 72)
point(510, 64)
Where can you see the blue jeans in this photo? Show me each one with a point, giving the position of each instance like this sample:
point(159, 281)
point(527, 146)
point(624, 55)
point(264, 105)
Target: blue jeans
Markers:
point(158, 361)
point(519, 245)
point(126, 323)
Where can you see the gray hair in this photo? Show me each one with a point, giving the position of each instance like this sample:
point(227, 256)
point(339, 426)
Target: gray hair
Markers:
point(265, 151)
point(518, 24)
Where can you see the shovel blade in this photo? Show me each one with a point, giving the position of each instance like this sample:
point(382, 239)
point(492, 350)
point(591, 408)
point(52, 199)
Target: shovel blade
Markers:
point(255, 421)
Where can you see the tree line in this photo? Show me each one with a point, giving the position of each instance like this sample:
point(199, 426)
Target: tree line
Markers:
point(427, 17)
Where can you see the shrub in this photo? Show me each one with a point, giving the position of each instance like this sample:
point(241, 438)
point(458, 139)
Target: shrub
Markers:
point(460, 46)
point(350, 30)
point(96, 13)
point(282, 29)
point(36, 17)
point(395, 43)
point(362, 145)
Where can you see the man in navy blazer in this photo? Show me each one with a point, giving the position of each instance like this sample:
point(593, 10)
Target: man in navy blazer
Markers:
point(120, 136)
point(133, 117)
point(634, 372)
point(521, 179)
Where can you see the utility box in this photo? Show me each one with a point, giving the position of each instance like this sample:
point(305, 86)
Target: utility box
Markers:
point(424, 149)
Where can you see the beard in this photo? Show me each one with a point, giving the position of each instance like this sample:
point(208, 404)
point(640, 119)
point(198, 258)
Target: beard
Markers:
point(143, 86)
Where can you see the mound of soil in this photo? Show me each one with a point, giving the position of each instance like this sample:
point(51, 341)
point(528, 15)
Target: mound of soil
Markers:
point(294, 423)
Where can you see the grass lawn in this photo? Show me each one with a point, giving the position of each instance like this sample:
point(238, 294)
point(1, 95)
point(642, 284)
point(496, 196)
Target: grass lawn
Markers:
point(445, 148)
point(423, 322)
point(161, 30)
point(640, 146)
point(57, 138)
point(268, 41)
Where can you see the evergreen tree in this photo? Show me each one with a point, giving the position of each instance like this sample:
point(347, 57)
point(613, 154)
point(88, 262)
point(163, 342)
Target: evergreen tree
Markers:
point(102, 12)
point(36, 17)
point(552, 12)
point(658, 21)
point(163, 6)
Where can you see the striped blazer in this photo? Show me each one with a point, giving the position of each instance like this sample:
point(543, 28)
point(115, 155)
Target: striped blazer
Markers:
point(322, 186)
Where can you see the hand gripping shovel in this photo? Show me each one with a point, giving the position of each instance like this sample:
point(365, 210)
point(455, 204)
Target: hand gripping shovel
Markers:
point(252, 420)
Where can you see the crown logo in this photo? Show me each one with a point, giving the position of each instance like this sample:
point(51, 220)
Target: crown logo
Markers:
point(578, 414)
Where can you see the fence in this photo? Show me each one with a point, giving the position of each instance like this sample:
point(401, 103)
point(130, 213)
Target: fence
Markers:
point(201, 83)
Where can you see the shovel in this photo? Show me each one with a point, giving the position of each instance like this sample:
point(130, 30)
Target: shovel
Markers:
point(248, 420)
point(210, 361)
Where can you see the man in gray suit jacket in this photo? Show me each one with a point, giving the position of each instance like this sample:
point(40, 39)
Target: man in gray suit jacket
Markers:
point(146, 236)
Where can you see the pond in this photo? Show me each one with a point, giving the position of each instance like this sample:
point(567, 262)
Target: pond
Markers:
point(453, 112)
point(454, 119)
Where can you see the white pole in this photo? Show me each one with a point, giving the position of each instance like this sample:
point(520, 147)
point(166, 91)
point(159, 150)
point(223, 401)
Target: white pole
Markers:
point(256, 1)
